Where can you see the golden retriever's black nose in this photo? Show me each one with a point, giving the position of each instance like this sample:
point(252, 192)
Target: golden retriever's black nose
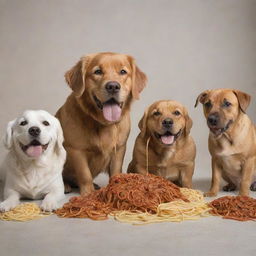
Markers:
point(213, 119)
point(112, 87)
point(34, 131)
point(167, 123)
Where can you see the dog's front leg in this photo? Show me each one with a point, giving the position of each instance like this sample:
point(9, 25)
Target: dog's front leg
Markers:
point(82, 171)
point(56, 193)
point(117, 161)
point(247, 172)
point(216, 177)
point(186, 175)
point(12, 199)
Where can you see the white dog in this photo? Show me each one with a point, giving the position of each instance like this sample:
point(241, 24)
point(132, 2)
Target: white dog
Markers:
point(34, 164)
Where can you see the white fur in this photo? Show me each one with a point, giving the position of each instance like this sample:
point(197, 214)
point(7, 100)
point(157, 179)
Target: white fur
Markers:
point(31, 177)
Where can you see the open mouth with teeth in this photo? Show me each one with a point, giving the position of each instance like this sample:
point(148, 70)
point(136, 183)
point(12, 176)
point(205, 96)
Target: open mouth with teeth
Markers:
point(167, 138)
point(218, 131)
point(34, 148)
point(111, 109)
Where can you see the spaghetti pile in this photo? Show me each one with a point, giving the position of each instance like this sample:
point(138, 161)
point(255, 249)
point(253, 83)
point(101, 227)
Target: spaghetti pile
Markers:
point(125, 192)
point(175, 211)
point(24, 212)
point(240, 208)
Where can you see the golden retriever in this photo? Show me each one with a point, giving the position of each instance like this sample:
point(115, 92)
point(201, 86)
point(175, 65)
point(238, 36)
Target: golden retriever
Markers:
point(95, 118)
point(232, 140)
point(165, 127)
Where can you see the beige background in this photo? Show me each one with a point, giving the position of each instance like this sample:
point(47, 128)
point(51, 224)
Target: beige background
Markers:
point(183, 46)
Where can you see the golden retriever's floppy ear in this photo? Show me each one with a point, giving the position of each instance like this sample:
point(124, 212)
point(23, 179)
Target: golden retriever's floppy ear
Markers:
point(75, 77)
point(139, 79)
point(189, 123)
point(143, 123)
point(8, 135)
point(201, 98)
point(243, 99)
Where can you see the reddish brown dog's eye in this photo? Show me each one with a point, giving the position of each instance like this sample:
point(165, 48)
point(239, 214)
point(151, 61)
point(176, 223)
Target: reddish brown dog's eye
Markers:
point(123, 72)
point(46, 123)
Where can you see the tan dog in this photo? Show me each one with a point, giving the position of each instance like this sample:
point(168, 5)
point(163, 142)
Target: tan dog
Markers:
point(165, 126)
point(232, 140)
point(95, 118)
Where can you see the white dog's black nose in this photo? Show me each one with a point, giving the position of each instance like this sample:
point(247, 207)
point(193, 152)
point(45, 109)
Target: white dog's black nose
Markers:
point(34, 131)
point(112, 87)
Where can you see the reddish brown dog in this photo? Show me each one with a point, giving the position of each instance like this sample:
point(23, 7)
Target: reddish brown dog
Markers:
point(95, 118)
point(232, 140)
point(171, 151)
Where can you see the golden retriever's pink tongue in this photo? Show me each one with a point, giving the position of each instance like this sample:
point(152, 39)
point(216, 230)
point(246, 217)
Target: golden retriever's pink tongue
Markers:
point(111, 112)
point(167, 139)
point(34, 151)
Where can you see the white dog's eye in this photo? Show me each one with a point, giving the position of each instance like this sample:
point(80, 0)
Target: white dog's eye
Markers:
point(23, 123)
point(46, 123)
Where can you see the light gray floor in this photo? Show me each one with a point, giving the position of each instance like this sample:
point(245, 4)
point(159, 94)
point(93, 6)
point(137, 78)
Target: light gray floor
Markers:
point(59, 237)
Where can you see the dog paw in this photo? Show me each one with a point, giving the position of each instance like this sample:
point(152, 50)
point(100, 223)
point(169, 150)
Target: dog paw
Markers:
point(210, 194)
point(253, 186)
point(7, 206)
point(49, 205)
point(229, 187)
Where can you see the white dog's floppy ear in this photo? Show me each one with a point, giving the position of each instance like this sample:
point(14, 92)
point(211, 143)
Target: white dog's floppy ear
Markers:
point(59, 139)
point(8, 135)
point(143, 123)
point(139, 79)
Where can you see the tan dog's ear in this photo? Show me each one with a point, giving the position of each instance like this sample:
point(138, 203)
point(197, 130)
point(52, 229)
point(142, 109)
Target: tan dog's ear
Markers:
point(139, 79)
point(243, 99)
point(75, 77)
point(189, 122)
point(143, 123)
point(201, 98)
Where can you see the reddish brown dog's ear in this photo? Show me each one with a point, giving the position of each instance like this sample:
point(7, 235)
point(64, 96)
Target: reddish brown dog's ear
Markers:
point(143, 123)
point(201, 98)
point(243, 99)
point(75, 77)
point(139, 79)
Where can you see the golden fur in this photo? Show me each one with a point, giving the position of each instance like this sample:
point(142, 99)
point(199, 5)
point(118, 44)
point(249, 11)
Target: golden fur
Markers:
point(94, 144)
point(232, 140)
point(174, 161)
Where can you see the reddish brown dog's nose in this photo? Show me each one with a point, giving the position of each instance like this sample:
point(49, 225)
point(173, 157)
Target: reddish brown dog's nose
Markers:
point(112, 87)
point(167, 123)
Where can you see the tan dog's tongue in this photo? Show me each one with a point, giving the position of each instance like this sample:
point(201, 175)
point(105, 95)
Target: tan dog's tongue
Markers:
point(112, 112)
point(167, 139)
point(34, 151)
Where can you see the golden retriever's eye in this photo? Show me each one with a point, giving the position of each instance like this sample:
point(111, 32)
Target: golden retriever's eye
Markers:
point(98, 72)
point(23, 123)
point(157, 113)
point(176, 113)
point(123, 72)
point(208, 104)
point(46, 123)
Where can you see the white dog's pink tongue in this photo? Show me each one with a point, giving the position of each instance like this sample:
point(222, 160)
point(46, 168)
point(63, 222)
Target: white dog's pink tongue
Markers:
point(34, 151)
point(112, 112)
point(167, 139)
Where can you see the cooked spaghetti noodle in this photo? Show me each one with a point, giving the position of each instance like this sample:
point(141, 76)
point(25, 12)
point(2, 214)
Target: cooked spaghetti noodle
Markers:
point(240, 208)
point(125, 192)
point(175, 211)
point(24, 212)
